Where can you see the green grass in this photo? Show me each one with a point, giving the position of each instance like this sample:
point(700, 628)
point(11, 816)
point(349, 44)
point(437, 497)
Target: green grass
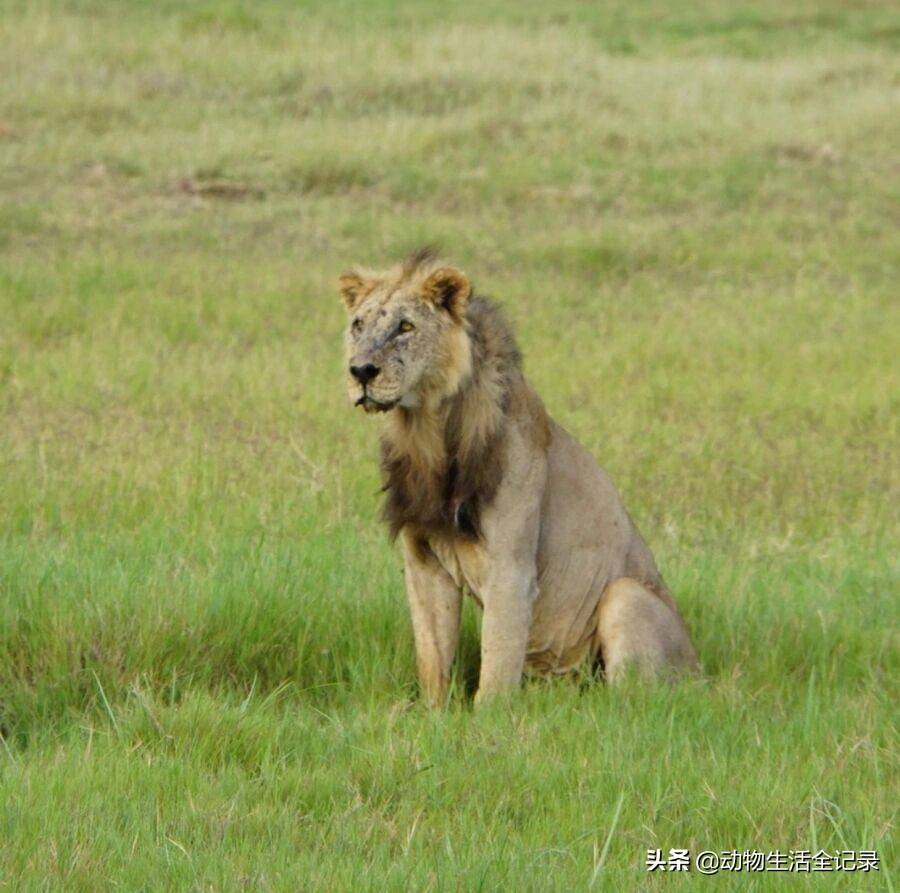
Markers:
point(206, 673)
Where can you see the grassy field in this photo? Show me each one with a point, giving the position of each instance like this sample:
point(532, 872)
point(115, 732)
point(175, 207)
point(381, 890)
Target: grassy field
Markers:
point(689, 211)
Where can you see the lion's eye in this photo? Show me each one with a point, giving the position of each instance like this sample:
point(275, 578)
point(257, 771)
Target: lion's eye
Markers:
point(356, 325)
point(405, 326)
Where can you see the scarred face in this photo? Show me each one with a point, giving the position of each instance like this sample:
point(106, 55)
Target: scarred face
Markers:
point(405, 339)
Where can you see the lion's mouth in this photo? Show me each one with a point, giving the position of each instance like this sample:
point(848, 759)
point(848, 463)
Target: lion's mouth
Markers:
point(370, 404)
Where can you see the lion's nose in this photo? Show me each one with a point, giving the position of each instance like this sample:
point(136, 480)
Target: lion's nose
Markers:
point(364, 374)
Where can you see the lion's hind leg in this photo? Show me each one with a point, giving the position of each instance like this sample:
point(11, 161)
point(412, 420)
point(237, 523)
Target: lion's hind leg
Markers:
point(638, 630)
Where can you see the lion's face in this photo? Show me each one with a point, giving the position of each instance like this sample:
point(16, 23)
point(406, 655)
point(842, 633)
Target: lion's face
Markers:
point(405, 338)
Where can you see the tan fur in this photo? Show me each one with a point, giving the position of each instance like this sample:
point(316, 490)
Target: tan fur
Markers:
point(489, 495)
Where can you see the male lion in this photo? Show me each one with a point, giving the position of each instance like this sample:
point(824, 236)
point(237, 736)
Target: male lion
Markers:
point(489, 494)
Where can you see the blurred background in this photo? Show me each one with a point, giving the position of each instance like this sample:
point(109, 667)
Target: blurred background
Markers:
point(690, 213)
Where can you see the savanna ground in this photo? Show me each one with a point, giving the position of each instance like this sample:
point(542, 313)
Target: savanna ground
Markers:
point(690, 213)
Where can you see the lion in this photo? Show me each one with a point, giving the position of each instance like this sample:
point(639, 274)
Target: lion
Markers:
point(488, 495)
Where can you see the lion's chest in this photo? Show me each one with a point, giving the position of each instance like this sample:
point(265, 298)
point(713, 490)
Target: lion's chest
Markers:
point(466, 562)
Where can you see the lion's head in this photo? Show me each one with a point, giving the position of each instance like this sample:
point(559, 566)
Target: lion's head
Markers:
point(406, 340)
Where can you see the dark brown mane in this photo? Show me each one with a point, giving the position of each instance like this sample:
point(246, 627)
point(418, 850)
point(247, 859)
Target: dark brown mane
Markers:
point(447, 495)
point(420, 258)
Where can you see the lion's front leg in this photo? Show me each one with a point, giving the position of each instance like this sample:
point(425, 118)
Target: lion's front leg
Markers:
point(509, 588)
point(508, 596)
point(435, 605)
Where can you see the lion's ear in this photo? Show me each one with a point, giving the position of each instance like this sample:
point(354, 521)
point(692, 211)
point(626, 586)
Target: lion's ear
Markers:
point(448, 288)
point(354, 288)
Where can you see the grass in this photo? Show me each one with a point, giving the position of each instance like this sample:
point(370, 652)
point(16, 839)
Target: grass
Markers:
point(206, 673)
